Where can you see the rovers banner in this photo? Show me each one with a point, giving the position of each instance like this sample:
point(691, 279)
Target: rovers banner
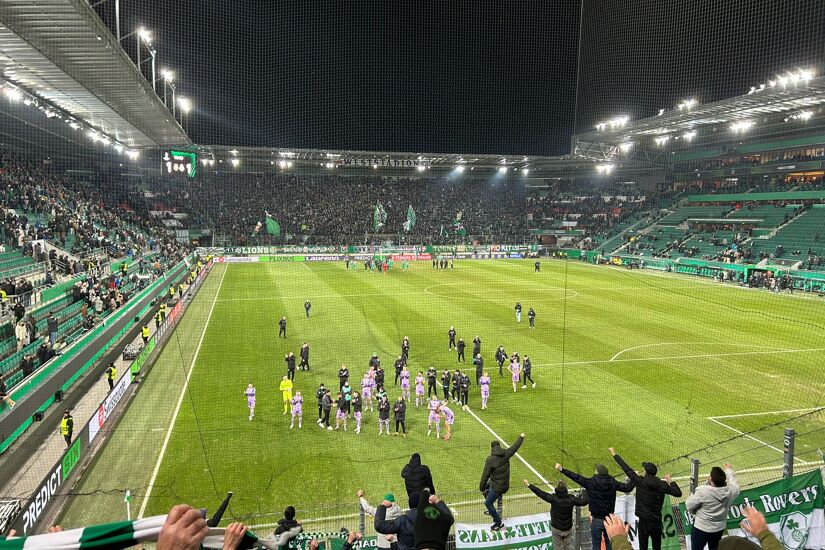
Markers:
point(792, 508)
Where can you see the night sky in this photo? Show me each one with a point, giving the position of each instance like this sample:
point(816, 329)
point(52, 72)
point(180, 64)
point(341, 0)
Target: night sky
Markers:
point(474, 76)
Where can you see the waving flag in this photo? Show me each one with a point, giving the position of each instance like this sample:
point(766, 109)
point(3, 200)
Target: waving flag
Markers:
point(410, 223)
point(379, 217)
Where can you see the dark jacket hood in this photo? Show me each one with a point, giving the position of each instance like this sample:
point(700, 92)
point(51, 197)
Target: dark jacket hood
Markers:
point(415, 460)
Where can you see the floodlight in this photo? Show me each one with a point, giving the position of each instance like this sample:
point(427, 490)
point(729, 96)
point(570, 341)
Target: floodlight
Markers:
point(687, 104)
point(185, 104)
point(626, 146)
point(145, 35)
point(661, 140)
point(132, 154)
point(459, 168)
point(375, 167)
point(689, 135)
point(420, 167)
point(525, 171)
point(167, 75)
point(502, 169)
point(235, 162)
point(13, 94)
point(604, 168)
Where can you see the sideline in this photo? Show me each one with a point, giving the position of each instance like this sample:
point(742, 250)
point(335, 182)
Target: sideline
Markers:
point(180, 401)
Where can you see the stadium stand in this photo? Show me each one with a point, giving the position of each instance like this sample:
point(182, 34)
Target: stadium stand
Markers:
point(337, 210)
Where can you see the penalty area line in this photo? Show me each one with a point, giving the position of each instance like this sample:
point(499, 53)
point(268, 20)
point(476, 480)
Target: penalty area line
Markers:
point(489, 429)
point(763, 443)
point(180, 401)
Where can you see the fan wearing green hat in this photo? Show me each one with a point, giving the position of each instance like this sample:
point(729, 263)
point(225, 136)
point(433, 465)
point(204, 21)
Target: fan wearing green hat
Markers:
point(394, 511)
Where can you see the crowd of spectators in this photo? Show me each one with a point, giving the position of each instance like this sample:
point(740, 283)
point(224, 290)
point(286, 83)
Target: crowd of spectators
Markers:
point(99, 212)
point(334, 209)
point(597, 213)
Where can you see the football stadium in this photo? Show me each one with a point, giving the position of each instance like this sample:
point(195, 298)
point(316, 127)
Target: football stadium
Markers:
point(412, 275)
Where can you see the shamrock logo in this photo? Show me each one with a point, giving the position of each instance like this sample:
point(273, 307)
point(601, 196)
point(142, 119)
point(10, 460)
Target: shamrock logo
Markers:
point(431, 512)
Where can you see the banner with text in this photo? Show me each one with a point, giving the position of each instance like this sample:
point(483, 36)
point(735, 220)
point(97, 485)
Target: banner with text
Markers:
point(626, 509)
point(528, 532)
point(792, 508)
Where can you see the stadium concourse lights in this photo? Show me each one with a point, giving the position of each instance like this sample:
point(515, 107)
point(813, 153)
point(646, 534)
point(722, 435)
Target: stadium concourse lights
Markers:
point(13, 94)
point(613, 123)
point(687, 104)
point(604, 169)
point(798, 76)
point(502, 169)
point(688, 136)
point(802, 115)
point(741, 126)
point(661, 140)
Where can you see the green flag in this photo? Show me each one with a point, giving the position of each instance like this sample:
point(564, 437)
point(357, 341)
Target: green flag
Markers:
point(458, 227)
point(379, 217)
point(410, 223)
point(272, 227)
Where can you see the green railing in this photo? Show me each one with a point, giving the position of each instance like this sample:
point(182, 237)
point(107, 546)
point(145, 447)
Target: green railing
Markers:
point(89, 338)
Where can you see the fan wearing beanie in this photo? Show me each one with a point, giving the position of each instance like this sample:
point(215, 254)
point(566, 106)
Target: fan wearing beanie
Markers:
point(562, 504)
point(650, 496)
point(601, 494)
point(402, 526)
point(432, 526)
point(383, 542)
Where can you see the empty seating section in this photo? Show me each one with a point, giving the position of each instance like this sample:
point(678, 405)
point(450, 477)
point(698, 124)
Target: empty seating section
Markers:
point(769, 216)
point(807, 232)
point(14, 259)
point(683, 213)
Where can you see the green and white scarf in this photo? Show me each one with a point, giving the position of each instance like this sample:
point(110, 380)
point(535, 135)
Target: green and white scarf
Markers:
point(123, 534)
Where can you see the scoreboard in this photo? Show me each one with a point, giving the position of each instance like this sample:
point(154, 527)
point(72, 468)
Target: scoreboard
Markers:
point(178, 163)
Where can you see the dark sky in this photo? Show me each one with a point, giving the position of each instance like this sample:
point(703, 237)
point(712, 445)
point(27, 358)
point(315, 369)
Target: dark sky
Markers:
point(465, 76)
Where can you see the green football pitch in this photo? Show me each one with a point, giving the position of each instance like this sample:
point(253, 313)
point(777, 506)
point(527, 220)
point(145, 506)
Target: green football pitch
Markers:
point(663, 367)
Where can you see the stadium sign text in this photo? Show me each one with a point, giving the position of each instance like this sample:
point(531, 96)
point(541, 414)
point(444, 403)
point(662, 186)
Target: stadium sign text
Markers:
point(368, 162)
point(41, 497)
point(105, 409)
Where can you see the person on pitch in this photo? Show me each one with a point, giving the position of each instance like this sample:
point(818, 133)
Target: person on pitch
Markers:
point(250, 400)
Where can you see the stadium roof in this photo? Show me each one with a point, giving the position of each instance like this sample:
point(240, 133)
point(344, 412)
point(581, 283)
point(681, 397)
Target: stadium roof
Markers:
point(265, 159)
point(771, 98)
point(61, 52)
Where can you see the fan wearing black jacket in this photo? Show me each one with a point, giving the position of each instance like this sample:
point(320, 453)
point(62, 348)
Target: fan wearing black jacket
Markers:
point(497, 472)
point(561, 513)
point(650, 496)
point(417, 477)
point(601, 493)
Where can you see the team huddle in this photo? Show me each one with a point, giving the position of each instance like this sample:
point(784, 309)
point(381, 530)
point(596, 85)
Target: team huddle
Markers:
point(350, 404)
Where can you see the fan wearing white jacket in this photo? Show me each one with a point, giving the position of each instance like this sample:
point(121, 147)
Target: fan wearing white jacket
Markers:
point(709, 506)
point(394, 511)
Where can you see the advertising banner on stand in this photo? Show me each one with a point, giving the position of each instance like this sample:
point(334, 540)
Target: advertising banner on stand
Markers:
point(626, 509)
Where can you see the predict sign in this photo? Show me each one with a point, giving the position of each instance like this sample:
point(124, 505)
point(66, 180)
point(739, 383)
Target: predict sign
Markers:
point(179, 163)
